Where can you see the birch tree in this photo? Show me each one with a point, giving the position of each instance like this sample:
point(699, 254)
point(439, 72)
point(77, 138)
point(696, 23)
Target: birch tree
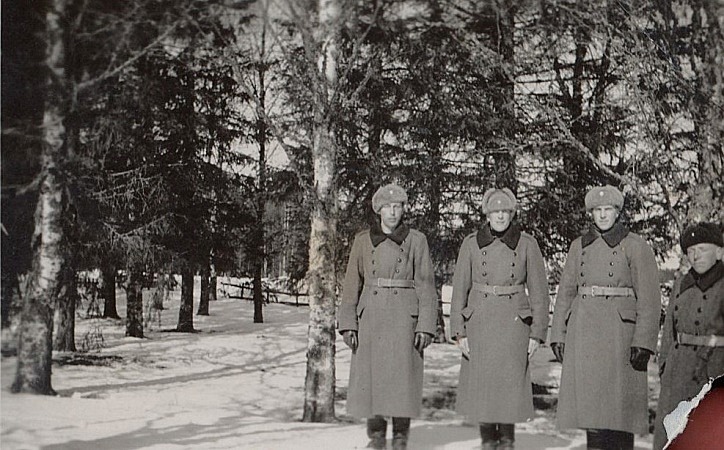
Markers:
point(319, 384)
point(49, 244)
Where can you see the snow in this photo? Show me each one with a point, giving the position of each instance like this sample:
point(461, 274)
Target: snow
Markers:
point(232, 385)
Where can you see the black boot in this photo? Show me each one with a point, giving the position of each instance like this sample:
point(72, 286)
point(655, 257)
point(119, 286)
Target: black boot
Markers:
point(489, 436)
point(377, 431)
point(400, 432)
point(507, 436)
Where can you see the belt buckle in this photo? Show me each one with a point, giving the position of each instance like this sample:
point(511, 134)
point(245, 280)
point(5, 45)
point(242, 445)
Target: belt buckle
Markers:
point(596, 291)
point(711, 341)
point(678, 337)
point(495, 290)
point(379, 280)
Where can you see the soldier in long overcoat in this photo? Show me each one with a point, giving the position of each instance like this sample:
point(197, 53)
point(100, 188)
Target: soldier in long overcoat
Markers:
point(605, 327)
point(387, 316)
point(692, 341)
point(496, 322)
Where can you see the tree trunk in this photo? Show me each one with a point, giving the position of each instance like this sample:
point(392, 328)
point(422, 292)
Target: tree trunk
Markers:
point(134, 303)
point(505, 159)
point(205, 287)
point(212, 280)
point(50, 252)
point(186, 309)
point(64, 339)
point(257, 292)
point(11, 312)
point(319, 383)
point(108, 290)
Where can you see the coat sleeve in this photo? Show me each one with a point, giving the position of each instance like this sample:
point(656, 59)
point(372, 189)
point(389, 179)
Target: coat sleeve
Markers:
point(567, 291)
point(645, 278)
point(425, 289)
point(668, 334)
point(353, 282)
point(537, 283)
point(462, 282)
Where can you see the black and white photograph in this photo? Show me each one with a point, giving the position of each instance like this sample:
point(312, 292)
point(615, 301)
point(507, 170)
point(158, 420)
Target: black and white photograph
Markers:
point(346, 224)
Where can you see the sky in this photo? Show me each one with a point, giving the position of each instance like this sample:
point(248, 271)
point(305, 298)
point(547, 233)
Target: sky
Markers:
point(233, 385)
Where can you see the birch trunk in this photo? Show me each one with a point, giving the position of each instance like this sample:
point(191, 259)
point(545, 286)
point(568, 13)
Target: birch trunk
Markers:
point(320, 380)
point(50, 254)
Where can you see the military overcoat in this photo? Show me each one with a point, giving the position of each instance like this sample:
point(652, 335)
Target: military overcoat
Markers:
point(599, 387)
point(495, 382)
point(696, 308)
point(386, 374)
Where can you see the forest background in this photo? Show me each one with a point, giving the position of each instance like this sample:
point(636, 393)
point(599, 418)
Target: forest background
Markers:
point(246, 138)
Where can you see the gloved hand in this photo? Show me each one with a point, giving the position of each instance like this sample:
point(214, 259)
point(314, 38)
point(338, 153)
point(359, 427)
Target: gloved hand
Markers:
point(533, 345)
point(422, 340)
point(464, 346)
point(640, 358)
point(350, 338)
point(558, 349)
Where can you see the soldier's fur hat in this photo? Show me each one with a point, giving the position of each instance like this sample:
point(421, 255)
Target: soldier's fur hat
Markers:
point(389, 193)
point(700, 233)
point(604, 196)
point(499, 200)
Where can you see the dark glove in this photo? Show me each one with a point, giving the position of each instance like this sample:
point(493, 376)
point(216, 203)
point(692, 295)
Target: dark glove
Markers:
point(558, 348)
point(350, 338)
point(422, 340)
point(640, 358)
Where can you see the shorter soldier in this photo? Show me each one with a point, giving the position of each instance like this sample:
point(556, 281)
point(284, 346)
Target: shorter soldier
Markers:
point(692, 343)
point(499, 317)
point(388, 315)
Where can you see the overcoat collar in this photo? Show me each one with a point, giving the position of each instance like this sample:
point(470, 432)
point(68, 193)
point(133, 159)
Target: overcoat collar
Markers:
point(510, 237)
point(398, 235)
point(613, 237)
point(703, 281)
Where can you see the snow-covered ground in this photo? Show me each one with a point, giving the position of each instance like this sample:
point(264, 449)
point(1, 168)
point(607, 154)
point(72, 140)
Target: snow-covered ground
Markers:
point(232, 385)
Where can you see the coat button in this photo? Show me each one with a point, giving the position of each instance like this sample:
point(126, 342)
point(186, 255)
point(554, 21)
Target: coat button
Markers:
point(676, 308)
point(374, 271)
point(484, 252)
point(484, 263)
point(512, 275)
point(611, 264)
point(375, 292)
point(395, 292)
point(399, 259)
point(402, 249)
point(397, 270)
point(581, 273)
point(515, 253)
point(676, 345)
point(704, 296)
point(581, 263)
point(485, 274)
point(615, 253)
point(373, 261)
point(512, 264)
point(584, 295)
point(485, 295)
point(583, 253)
point(696, 322)
point(698, 310)
point(610, 274)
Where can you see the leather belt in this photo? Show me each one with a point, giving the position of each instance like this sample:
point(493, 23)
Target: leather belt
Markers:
point(711, 340)
point(604, 291)
point(498, 290)
point(391, 283)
